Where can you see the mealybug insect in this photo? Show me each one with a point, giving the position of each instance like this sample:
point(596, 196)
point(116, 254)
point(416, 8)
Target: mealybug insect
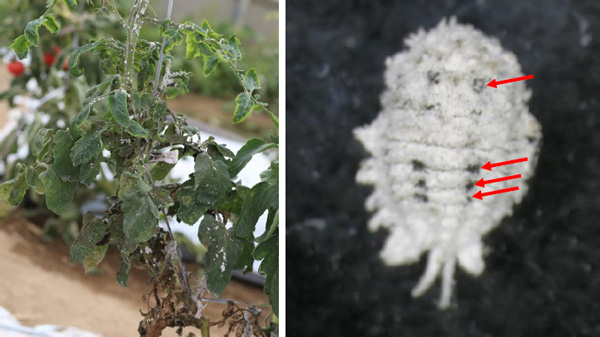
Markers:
point(439, 123)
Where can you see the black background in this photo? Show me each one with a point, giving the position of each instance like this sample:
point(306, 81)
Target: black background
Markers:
point(542, 273)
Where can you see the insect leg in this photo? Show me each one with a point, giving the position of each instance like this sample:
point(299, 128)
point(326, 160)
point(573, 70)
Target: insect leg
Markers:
point(447, 283)
point(434, 264)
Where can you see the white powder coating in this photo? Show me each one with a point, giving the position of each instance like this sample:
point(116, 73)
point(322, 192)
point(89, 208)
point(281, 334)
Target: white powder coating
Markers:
point(439, 124)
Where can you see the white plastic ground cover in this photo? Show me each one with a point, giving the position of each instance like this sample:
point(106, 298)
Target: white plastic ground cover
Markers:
point(10, 327)
point(249, 176)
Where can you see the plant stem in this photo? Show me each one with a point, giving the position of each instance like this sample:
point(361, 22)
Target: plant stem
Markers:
point(181, 273)
point(134, 25)
point(161, 56)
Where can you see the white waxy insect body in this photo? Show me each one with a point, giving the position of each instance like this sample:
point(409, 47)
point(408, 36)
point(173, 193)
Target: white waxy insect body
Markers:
point(438, 125)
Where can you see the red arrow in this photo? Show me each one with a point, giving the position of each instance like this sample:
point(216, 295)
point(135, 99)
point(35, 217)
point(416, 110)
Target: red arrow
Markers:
point(481, 182)
point(495, 84)
point(489, 166)
point(480, 195)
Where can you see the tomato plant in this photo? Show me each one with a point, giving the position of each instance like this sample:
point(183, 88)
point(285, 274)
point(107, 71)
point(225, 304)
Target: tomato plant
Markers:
point(56, 98)
point(124, 123)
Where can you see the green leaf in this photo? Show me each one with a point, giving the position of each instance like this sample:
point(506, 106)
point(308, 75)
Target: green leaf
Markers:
point(92, 94)
point(124, 269)
point(233, 49)
point(268, 252)
point(128, 186)
point(272, 225)
point(63, 165)
point(41, 142)
point(86, 148)
point(191, 206)
point(179, 85)
point(20, 46)
point(245, 261)
point(205, 49)
point(51, 24)
point(191, 47)
point(205, 27)
point(211, 176)
point(235, 201)
point(72, 4)
point(218, 151)
point(224, 250)
point(13, 191)
point(187, 27)
point(59, 193)
point(91, 261)
point(141, 215)
point(271, 175)
point(74, 68)
point(174, 38)
point(161, 197)
point(141, 218)
point(160, 170)
point(206, 30)
point(211, 182)
point(135, 129)
point(142, 103)
point(250, 80)
point(34, 180)
point(244, 106)
point(159, 110)
point(210, 64)
point(117, 104)
point(245, 154)
point(89, 175)
point(125, 245)
point(262, 197)
point(81, 117)
point(31, 31)
point(92, 232)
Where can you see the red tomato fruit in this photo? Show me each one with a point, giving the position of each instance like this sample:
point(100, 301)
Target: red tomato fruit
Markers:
point(66, 64)
point(49, 59)
point(16, 68)
point(56, 50)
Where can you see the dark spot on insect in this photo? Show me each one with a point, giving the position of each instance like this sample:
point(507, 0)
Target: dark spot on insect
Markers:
point(469, 199)
point(386, 152)
point(421, 184)
point(430, 106)
point(459, 42)
point(470, 185)
point(421, 197)
point(417, 165)
point(433, 77)
point(478, 85)
point(531, 140)
point(476, 112)
point(473, 169)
